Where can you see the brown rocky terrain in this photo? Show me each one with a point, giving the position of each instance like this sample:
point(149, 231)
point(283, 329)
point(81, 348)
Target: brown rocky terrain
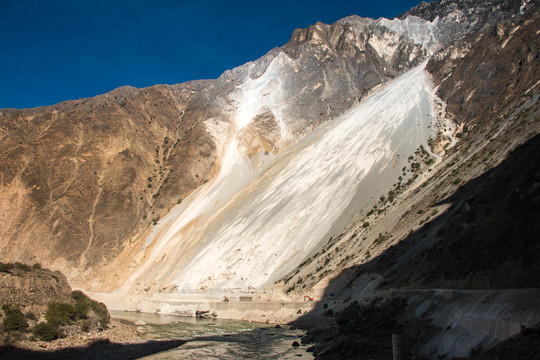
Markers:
point(20, 284)
point(32, 289)
point(80, 178)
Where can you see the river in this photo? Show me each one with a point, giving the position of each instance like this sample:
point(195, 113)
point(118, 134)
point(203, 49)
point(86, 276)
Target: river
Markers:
point(218, 338)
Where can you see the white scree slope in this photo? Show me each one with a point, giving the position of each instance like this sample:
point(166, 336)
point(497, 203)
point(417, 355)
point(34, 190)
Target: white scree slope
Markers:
point(249, 226)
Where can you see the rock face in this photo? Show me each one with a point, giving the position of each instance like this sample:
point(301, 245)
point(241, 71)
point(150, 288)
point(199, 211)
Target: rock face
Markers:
point(82, 179)
point(135, 187)
point(485, 71)
point(33, 287)
point(488, 236)
point(456, 20)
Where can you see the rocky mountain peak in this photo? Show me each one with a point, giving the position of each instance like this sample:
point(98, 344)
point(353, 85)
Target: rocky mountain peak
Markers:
point(458, 18)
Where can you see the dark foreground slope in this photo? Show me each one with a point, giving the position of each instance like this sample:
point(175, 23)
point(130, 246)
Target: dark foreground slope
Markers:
point(482, 242)
point(488, 238)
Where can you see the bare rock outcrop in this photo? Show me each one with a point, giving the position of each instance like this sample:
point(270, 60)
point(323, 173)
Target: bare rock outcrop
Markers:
point(32, 286)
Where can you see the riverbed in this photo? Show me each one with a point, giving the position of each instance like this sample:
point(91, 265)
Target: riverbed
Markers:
point(217, 338)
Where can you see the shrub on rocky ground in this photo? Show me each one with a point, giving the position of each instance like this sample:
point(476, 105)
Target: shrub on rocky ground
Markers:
point(80, 313)
point(60, 313)
point(15, 322)
point(14, 319)
point(6, 267)
point(45, 331)
point(84, 304)
point(30, 316)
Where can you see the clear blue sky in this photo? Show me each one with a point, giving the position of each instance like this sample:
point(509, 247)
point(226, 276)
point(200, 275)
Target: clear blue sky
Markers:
point(56, 50)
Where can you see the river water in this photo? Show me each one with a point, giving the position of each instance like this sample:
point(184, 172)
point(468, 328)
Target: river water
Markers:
point(218, 338)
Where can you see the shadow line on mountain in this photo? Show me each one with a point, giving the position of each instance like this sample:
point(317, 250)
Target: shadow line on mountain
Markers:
point(486, 239)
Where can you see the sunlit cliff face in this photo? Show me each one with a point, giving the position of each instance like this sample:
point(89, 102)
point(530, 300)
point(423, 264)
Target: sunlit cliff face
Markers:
point(256, 221)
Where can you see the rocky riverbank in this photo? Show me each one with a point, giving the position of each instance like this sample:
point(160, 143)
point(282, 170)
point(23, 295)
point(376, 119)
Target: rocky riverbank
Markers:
point(115, 332)
point(117, 341)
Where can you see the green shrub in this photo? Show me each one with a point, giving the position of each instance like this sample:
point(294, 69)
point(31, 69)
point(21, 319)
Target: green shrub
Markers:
point(22, 266)
point(85, 326)
point(6, 267)
point(81, 309)
point(101, 310)
point(36, 266)
point(10, 309)
point(14, 321)
point(84, 303)
point(79, 296)
point(46, 331)
point(60, 313)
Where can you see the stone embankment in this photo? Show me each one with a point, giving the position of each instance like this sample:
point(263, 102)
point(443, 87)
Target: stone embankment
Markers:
point(247, 307)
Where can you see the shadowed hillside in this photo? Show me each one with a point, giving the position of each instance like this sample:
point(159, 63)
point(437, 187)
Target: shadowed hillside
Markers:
point(487, 239)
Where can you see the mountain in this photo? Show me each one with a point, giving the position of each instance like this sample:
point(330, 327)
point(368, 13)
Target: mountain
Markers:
point(85, 180)
point(362, 152)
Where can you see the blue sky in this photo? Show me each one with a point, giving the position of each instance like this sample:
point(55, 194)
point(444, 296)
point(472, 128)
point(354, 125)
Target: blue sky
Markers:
point(56, 50)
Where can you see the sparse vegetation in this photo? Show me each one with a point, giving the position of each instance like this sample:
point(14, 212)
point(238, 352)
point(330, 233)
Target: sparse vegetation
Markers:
point(381, 238)
point(6, 267)
point(79, 311)
point(30, 316)
point(391, 196)
point(14, 319)
point(84, 303)
point(45, 331)
point(60, 313)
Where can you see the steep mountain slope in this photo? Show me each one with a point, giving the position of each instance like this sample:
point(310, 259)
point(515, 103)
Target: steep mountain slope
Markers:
point(82, 177)
point(286, 210)
point(470, 224)
point(83, 181)
point(490, 84)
